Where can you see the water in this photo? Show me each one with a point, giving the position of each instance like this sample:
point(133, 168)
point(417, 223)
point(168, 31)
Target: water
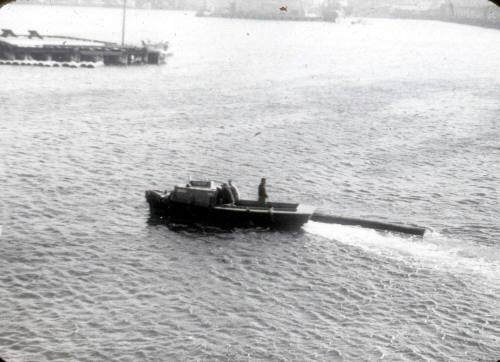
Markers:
point(393, 120)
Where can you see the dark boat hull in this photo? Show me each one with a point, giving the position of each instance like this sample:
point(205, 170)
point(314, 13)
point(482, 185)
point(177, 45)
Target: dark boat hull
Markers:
point(225, 216)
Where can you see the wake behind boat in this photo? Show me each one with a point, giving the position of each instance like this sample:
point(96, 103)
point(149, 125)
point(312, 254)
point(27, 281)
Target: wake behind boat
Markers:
point(199, 201)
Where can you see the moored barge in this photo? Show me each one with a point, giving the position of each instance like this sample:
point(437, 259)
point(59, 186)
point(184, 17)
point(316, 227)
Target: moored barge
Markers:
point(64, 51)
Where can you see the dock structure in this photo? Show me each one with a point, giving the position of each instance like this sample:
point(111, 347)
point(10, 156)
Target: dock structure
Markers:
point(64, 51)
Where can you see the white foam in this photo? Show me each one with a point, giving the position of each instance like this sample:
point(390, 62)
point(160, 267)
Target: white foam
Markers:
point(432, 251)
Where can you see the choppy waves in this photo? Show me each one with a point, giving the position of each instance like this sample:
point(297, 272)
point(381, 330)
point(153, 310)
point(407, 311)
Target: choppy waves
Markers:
point(359, 121)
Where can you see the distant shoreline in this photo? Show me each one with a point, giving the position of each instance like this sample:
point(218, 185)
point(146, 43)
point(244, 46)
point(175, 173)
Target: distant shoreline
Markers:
point(463, 21)
point(103, 6)
point(482, 16)
point(90, 5)
point(484, 23)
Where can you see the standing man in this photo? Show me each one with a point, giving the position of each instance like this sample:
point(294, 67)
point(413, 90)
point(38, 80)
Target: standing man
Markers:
point(234, 191)
point(262, 192)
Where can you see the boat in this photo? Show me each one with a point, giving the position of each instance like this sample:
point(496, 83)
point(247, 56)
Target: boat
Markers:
point(197, 202)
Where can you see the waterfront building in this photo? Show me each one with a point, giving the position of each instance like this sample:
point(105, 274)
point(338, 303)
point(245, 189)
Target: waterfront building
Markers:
point(270, 8)
point(472, 9)
point(258, 8)
point(474, 12)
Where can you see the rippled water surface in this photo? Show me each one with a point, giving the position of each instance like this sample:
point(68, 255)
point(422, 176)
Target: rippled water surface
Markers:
point(392, 120)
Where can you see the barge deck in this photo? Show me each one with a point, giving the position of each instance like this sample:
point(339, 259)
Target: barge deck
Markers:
point(64, 51)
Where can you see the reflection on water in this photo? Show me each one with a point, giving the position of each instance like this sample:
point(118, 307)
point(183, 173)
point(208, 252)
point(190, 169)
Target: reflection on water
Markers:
point(386, 119)
point(185, 225)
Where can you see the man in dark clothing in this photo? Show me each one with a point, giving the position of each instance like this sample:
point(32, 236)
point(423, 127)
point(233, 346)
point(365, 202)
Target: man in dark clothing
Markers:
point(262, 192)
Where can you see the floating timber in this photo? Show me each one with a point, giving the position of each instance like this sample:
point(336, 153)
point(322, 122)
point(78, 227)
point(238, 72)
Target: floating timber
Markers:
point(333, 219)
point(64, 51)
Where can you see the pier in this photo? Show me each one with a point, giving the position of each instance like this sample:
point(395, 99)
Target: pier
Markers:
point(64, 51)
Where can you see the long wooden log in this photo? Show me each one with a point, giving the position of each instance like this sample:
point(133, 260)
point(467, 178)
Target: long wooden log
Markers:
point(5, 2)
point(333, 219)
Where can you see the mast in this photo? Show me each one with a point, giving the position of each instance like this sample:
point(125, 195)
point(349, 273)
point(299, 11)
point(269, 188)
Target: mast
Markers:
point(123, 21)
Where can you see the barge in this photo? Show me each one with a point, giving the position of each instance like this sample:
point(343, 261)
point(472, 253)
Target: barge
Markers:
point(63, 51)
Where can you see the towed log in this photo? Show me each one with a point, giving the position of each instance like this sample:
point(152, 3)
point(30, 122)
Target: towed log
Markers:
point(332, 219)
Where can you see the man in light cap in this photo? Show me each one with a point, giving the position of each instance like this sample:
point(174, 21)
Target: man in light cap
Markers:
point(234, 191)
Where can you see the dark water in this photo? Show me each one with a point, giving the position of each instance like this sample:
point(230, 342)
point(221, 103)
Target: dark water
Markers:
point(394, 120)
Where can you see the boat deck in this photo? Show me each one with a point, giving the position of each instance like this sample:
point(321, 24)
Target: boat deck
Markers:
point(27, 41)
point(275, 207)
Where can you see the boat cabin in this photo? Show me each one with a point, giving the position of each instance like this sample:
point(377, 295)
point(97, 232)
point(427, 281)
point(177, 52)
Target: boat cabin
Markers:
point(206, 194)
point(199, 193)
